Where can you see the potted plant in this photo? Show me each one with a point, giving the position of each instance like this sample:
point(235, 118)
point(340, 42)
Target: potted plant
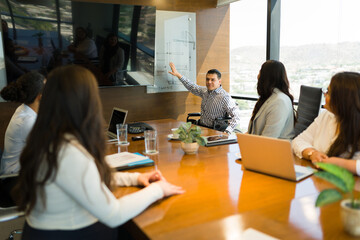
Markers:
point(190, 138)
point(345, 182)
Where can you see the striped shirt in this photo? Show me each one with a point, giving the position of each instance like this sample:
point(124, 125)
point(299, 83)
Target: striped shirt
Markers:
point(215, 104)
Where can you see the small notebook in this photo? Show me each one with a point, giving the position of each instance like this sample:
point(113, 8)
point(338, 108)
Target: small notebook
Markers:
point(126, 160)
point(27, 59)
point(220, 140)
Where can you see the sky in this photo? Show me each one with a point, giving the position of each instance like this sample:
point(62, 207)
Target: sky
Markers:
point(302, 22)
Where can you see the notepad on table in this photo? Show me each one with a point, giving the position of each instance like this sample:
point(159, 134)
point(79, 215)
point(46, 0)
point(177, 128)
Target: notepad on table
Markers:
point(126, 160)
point(220, 140)
point(27, 59)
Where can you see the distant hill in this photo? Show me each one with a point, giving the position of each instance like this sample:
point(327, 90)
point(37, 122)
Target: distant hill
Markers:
point(314, 54)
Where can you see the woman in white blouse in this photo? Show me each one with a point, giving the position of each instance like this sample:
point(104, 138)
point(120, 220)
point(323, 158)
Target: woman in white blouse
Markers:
point(334, 136)
point(26, 90)
point(64, 183)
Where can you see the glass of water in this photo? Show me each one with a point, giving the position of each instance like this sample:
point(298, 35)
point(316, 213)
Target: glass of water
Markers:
point(121, 130)
point(150, 142)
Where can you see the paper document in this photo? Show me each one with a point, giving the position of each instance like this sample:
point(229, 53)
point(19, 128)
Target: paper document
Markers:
point(250, 234)
point(126, 160)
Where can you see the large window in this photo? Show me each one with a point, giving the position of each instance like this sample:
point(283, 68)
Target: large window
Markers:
point(28, 22)
point(326, 41)
point(318, 38)
point(247, 51)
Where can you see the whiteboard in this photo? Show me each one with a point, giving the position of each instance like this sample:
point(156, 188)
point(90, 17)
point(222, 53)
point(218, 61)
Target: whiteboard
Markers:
point(175, 41)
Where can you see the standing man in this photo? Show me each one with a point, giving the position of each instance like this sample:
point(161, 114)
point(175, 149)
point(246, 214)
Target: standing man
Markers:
point(216, 102)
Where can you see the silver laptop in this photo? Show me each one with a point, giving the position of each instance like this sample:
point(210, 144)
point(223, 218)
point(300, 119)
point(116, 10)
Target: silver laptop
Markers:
point(271, 156)
point(117, 116)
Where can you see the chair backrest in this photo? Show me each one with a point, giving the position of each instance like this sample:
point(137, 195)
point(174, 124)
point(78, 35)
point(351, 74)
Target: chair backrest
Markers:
point(308, 107)
point(126, 48)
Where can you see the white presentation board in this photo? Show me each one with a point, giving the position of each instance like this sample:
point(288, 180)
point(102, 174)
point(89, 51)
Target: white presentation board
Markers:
point(175, 41)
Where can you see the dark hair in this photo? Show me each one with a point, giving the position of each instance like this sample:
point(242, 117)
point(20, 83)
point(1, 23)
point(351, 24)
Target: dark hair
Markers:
point(272, 75)
point(5, 28)
point(70, 104)
point(215, 71)
point(76, 39)
point(109, 52)
point(345, 104)
point(25, 89)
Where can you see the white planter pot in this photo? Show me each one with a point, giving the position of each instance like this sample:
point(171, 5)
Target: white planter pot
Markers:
point(190, 148)
point(350, 218)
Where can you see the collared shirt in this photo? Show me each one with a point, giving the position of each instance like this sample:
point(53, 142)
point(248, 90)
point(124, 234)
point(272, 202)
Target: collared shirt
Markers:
point(16, 133)
point(215, 104)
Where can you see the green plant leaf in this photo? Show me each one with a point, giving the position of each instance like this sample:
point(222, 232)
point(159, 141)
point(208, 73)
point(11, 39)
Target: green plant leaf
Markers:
point(187, 126)
point(189, 133)
point(346, 176)
point(201, 141)
point(327, 196)
point(338, 182)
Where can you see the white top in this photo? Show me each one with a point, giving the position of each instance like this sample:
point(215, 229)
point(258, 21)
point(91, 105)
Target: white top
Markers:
point(76, 198)
point(16, 133)
point(320, 135)
point(88, 48)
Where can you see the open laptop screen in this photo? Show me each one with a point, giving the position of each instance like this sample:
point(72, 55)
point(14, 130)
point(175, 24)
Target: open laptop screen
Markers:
point(118, 116)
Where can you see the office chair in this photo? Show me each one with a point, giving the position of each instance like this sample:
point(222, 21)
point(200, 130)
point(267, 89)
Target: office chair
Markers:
point(308, 107)
point(220, 124)
point(9, 215)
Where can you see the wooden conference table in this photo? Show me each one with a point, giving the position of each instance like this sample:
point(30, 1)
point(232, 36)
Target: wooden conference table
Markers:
point(222, 200)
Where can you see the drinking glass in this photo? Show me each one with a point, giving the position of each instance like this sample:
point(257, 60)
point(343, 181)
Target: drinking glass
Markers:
point(121, 130)
point(150, 142)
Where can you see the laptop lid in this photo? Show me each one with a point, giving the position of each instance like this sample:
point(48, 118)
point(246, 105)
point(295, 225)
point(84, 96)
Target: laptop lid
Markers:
point(117, 116)
point(271, 156)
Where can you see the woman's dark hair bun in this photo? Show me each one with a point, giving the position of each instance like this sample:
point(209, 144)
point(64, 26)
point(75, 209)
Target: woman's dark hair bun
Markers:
point(25, 89)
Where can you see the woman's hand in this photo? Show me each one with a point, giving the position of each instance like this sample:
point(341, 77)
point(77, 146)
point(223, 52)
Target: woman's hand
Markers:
point(318, 157)
point(145, 179)
point(169, 189)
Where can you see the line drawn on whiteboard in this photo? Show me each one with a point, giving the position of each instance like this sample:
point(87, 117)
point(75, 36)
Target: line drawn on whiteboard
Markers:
point(175, 42)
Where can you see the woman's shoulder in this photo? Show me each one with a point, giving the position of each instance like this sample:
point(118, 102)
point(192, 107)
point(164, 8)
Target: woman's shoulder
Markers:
point(279, 97)
point(23, 116)
point(325, 115)
point(73, 148)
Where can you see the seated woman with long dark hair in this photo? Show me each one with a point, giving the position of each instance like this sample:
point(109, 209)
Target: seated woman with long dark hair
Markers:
point(334, 136)
point(64, 182)
point(273, 114)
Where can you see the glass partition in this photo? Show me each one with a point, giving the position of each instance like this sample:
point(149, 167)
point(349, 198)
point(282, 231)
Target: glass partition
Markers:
point(116, 42)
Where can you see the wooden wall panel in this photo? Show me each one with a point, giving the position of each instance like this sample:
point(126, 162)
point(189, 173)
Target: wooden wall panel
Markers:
point(212, 42)
point(143, 106)
point(212, 36)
